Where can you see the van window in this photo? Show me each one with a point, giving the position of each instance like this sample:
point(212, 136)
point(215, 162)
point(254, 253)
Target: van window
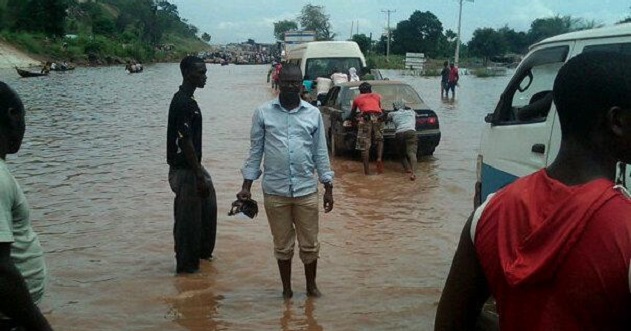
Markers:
point(323, 67)
point(624, 48)
point(528, 97)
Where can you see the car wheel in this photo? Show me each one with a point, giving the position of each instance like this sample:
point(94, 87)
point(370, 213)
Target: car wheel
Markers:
point(335, 148)
point(424, 150)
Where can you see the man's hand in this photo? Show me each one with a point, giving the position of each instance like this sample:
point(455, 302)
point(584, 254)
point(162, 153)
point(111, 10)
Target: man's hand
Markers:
point(328, 197)
point(244, 194)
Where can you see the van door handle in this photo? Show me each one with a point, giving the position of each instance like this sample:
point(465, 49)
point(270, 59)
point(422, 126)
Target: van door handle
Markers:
point(538, 148)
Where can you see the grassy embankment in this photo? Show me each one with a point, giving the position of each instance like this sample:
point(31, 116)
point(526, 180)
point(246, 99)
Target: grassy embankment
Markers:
point(99, 50)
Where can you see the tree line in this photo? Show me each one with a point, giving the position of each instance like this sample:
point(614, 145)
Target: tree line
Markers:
point(149, 23)
point(423, 32)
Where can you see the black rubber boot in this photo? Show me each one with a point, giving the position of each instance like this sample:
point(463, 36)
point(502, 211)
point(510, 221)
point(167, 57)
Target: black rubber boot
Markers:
point(310, 276)
point(284, 267)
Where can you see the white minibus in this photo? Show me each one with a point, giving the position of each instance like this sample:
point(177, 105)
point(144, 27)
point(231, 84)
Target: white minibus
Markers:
point(523, 134)
point(320, 58)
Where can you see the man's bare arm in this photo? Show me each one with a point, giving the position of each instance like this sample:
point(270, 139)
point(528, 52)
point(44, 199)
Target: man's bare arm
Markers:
point(466, 289)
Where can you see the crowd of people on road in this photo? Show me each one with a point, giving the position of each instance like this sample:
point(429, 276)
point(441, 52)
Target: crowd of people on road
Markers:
point(553, 248)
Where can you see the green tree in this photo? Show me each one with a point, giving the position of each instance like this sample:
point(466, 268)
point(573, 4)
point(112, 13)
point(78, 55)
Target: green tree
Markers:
point(281, 27)
point(206, 37)
point(45, 16)
point(487, 42)
point(516, 42)
point(313, 18)
point(421, 33)
point(363, 41)
point(542, 28)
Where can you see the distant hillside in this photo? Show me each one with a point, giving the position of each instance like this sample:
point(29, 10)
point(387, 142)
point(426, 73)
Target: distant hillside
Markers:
point(102, 31)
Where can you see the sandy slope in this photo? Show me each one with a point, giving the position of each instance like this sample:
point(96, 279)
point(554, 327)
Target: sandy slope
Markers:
point(11, 57)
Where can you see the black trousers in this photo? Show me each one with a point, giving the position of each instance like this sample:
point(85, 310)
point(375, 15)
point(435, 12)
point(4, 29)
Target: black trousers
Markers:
point(195, 225)
point(9, 325)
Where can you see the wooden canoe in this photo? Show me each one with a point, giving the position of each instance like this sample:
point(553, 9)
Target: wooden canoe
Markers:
point(26, 73)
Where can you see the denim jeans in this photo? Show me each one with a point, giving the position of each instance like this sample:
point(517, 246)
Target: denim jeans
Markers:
point(195, 226)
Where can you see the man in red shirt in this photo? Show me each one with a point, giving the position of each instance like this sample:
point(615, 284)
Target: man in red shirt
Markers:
point(369, 124)
point(554, 247)
point(452, 81)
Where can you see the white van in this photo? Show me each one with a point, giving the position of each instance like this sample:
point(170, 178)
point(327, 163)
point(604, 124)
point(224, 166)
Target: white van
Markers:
point(319, 58)
point(523, 134)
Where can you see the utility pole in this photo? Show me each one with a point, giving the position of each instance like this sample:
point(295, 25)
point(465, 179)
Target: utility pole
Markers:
point(388, 11)
point(457, 55)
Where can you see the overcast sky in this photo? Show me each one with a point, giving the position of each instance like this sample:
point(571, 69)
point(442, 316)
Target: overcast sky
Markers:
point(239, 20)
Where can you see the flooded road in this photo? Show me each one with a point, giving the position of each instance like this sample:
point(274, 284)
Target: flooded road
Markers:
point(93, 169)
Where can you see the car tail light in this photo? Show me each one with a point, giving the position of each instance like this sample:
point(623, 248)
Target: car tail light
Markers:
point(427, 120)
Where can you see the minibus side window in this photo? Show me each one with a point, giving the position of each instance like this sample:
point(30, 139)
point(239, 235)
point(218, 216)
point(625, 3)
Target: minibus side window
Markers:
point(528, 97)
point(624, 48)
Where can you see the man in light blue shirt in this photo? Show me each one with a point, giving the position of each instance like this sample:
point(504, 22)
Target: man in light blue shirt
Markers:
point(288, 134)
point(404, 120)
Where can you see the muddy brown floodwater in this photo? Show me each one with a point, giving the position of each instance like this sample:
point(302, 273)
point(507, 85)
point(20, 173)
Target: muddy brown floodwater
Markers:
point(94, 172)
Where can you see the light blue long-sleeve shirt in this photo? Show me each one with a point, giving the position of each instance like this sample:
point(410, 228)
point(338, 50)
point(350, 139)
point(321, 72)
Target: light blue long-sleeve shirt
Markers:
point(292, 146)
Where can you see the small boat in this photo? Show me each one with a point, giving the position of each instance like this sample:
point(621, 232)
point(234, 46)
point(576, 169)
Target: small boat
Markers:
point(62, 68)
point(26, 73)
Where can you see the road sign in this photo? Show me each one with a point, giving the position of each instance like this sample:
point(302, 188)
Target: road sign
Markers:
point(414, 60)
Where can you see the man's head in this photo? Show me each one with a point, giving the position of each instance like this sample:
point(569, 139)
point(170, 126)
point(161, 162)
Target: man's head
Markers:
point(451, 65)
point(365, 87)
point(592, 94)
point(193, 71)
point(12, 124)
point(290, 79)
point(445, 64)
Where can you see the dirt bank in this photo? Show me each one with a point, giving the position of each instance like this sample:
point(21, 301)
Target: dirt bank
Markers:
point(11, 57)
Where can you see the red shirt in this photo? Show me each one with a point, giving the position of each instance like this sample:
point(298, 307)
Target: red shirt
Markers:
point(557, 257)
point(453, 75)
point(368, 103)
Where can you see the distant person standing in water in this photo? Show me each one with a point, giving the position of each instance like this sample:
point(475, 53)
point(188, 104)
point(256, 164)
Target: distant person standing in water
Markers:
point(22, 268)
point(452, 80)
point(444, 79)
point(195, 205)
point(288, 137)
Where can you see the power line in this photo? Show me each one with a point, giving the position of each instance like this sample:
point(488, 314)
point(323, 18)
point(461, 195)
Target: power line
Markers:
point(388, 11)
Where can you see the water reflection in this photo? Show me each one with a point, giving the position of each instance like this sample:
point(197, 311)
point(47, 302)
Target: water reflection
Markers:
point(295, 320)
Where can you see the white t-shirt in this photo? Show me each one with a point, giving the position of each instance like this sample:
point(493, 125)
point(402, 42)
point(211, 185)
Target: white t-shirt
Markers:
point(323, 85)
point(339, 77)
point(15, 228)
point(404, 120)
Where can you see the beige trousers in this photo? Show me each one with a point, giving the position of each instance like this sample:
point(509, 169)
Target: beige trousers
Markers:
point(291, 218)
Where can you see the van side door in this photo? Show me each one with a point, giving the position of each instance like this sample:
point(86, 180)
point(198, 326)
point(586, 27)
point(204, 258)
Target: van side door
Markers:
point(516, 140)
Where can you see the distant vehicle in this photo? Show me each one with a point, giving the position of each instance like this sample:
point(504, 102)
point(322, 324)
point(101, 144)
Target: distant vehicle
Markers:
point(342, 131)
point(319, 58)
